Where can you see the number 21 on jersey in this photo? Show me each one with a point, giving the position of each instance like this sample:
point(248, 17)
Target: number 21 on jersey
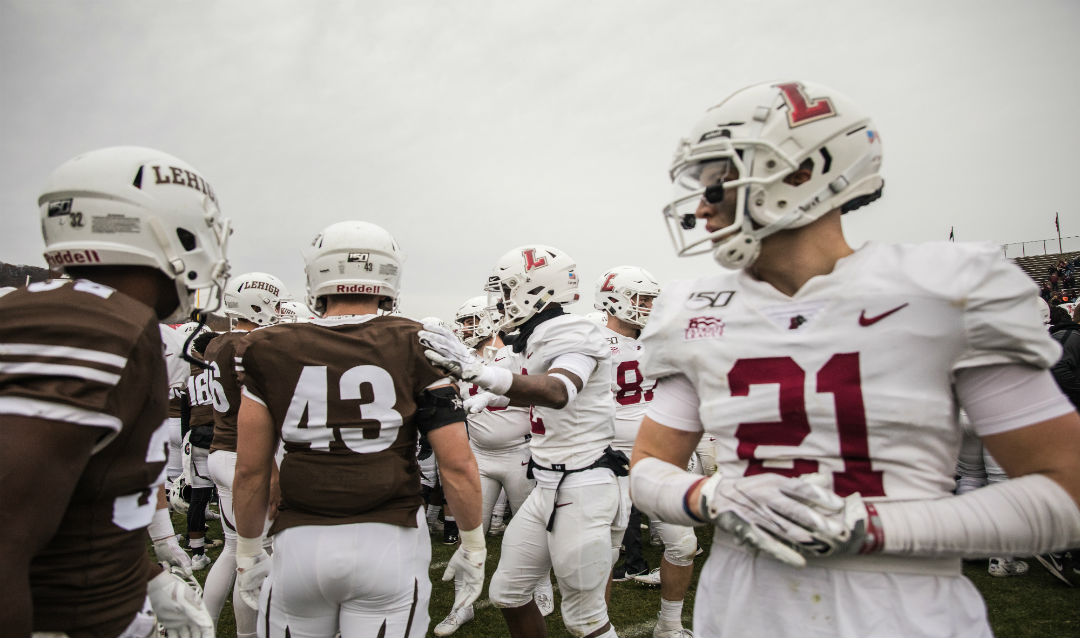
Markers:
point(839, 377)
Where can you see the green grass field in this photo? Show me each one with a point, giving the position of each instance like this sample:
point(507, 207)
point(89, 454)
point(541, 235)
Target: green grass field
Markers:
point(1035, 605)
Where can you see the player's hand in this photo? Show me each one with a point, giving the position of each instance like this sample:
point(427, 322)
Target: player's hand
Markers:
point(466, 568)
point(483, 400)
point(778, 515)
point(446, 352)
point(251, 571)
point(168, 550)
point(178, 607)
point(859, 530)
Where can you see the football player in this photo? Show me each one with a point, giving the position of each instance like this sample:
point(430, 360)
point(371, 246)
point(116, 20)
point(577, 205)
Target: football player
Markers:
point(83, 392)
point(832, 379)
point(197, 426)
point(499, 438)
point(625, 295)
point(347, 394)
point(251, 300)
point(566, 522)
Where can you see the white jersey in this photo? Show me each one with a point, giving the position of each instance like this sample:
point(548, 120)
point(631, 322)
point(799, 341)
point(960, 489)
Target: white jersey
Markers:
point(852, 377)
point(576, 435)
point(497, 428)
point(179, 369)
point(631, 390)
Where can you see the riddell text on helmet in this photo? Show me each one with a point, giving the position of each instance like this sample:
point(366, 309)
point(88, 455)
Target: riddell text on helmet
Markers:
point(358, 289)
point(68, 257)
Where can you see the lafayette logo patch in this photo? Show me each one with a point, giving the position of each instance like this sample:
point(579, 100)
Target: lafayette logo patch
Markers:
point(704, 328)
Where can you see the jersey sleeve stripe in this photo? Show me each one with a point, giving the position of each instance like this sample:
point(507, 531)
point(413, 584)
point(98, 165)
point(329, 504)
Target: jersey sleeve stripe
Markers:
point(38, 409)
point(59, 370)
point(67, 352)
point(251, 395)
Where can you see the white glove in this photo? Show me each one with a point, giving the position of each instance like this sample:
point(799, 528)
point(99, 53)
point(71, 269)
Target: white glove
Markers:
point(166, 548)
point(467, 564)
point(483, 400)
point(778, 515)
point(446, 352)
point(855, 528)
point(252, 568)
point(178, 607)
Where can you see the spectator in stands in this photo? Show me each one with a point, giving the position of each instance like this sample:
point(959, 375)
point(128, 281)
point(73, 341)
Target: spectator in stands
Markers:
point(1059, 318)
point(1044, 291)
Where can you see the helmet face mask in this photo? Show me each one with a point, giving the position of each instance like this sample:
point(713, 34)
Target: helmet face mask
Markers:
point(626, 293)
point(133, 206)
point(254, 297)
point(793, 151)
point(528, 278)
point(475, 321)
point(353, 258)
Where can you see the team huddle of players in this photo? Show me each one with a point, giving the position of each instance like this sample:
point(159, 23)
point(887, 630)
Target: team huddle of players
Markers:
point(820, 385)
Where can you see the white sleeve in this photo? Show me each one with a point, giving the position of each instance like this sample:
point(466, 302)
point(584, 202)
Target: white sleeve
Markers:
point(675, 404)
point(659, 338)
point(1006, 397)
point(1002, 323)
point(580, 364)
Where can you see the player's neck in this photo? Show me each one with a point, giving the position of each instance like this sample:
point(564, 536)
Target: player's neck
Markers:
point(615, 324)
point(339, 305)
point(790, 258)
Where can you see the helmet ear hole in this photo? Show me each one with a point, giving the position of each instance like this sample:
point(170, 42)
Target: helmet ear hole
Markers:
point(187, 239)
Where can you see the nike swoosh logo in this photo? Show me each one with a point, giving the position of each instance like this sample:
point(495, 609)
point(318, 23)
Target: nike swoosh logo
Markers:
point(557, 505)
point(524, 462)
point(869, 321)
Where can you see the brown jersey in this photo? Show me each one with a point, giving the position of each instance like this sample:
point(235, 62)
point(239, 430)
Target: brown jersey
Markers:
point(343, 395)
point(81, 353)
point(221, 353)
point(201, 392)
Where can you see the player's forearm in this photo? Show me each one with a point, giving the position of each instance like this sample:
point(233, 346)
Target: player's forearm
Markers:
point(459, 474)
point(251, 498)
point(542, 390)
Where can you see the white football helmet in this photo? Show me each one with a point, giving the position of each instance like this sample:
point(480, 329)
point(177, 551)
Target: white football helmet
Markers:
point(353, 258)
point(761, 136)
point(133, 206)
point(294, 312)
point(5, 290)
point(185, 329)
point(254, 296)
point(622, 292)
point(528, 278)
point(474, 321)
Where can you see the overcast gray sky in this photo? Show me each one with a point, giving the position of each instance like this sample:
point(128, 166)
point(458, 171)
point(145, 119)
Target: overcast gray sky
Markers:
point(467, 128)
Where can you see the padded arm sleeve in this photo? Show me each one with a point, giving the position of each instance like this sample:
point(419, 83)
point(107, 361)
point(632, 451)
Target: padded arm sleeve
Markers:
point(1027, 515)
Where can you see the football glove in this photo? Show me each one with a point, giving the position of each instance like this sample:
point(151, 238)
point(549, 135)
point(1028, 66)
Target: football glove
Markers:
point(778, 515)
point(251, 571)
point(855, 528)
point(179, 608)
point(168, 550)
point(466, 568)
point(447, 353)
point(483, 400)
point(166, 547)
